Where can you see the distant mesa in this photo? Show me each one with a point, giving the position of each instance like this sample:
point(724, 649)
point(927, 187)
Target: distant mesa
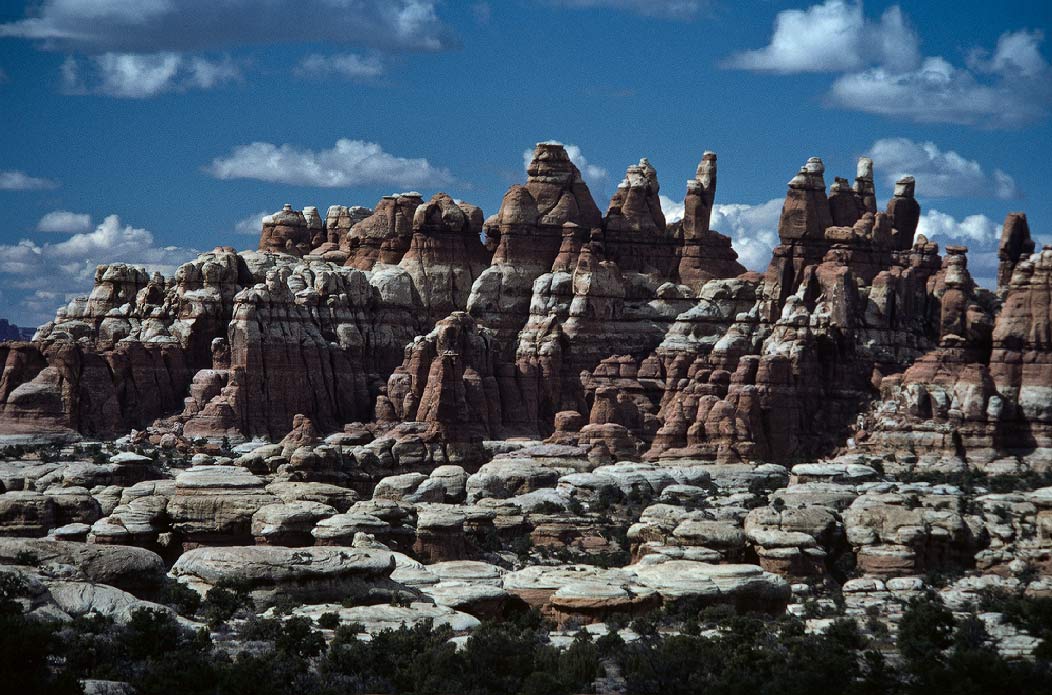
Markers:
point(9, 331)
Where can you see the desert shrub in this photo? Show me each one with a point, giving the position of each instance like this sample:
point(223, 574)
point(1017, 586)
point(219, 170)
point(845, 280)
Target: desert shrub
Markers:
point(222, 603)
point(750, 656)
point(181, 598)
point(28, 646)
point(1034, 615)
point(925, 632)
point(965, 661)
point(736, 655)
point(329, 620)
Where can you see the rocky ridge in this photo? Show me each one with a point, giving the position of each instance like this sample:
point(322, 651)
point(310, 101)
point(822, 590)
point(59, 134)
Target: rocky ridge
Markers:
point(412, 414)
point(618, 332)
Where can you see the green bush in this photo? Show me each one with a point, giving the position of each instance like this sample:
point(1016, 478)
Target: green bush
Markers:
point(221, 604)
point(736, 655)
point(181, 598)
point(28, 646)
point(925, 632)
point(329, 621)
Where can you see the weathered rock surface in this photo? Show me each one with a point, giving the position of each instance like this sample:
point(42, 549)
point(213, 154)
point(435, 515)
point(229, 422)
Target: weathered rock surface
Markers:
point(587, 593)
point(419, 311)
point(413, 414)
point(134, 570)
point(305, 575)
point(215, 504)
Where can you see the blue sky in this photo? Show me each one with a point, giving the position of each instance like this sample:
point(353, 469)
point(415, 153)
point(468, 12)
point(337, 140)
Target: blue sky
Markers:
point(145, 130)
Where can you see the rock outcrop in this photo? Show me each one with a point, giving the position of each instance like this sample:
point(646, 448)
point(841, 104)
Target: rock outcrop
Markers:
point(704, 254)
point(445, 255)
point(448, 381)
point(409, 414)
point(305, 575)
point(621, 334)
point(1016, 245)
point(286, 231)
point(384, 236)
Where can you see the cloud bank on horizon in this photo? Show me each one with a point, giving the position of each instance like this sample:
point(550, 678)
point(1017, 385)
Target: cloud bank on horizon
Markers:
point(50, 274)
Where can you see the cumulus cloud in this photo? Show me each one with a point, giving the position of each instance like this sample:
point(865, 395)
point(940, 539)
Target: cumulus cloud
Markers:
point(349, 65)
point(753, 229)
point(252, 224)
point(939, 174)
point(38, 307)
point(671, 9)
point(47, 275)
point(939, 92)
point(593, 174)
point(884, 72)
point(833, 37)
point(672, 209)
point(21, 181)
point(139, 75)
point(64, 222)
point(348, 163)
point(977, 229)
point(978, 232)
point(149, 26)
point(1016, 52)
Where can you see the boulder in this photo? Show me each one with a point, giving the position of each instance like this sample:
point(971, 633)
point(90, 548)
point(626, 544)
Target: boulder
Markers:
point(303, 575)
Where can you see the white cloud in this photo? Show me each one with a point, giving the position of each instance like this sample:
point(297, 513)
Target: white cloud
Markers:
point(978, 229)
point(141, 48)
point(251, 224)
point(149, 26)
point(884, 73)
point(672, 209)
point(593, 174)
point(1009, 89)
point(62, 221)
point(939, 92)
point(348, 163)
point(978, 232)
point(671, 9)
point(753, 229)
point(1016, 52)
point(20, 181)
point(47, 275)
point(939, 174)
point(143, 75)
point(206, 74)
point(833, 37)
point(350, 65)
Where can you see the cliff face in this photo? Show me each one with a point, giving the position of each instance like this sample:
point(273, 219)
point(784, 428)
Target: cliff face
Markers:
point(617, 332)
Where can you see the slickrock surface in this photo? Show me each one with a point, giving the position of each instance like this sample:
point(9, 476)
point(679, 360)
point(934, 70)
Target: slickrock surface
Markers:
point(300, 574)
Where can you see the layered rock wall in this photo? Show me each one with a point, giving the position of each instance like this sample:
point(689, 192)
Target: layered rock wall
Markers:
point(619, 333)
